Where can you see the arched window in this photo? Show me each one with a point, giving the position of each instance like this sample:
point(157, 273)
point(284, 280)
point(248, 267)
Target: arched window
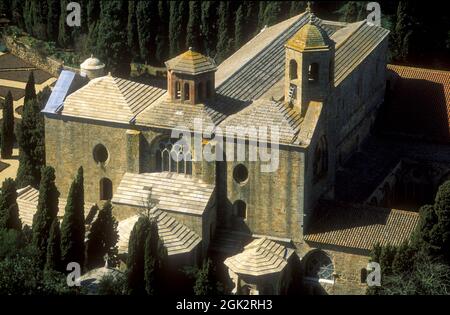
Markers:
point(177, 90)
point(105, 189)
point(173, 156)
point(313, 72)
point(293, 72)
point(187, 95)
point(319, 266)
point(200, 91)
point(320, 166)
point(240, 209)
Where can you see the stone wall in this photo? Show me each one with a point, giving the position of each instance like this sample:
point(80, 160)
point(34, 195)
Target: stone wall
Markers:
point(69, 144)
point(20, 50)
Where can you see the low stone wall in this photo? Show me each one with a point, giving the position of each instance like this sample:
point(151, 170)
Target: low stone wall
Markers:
point(20, 50)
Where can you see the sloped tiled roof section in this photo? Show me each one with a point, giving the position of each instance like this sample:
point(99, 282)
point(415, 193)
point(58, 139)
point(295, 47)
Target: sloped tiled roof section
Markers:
point(260, 257)
point(359, 226)
point(111, 99)
point(266, 68)
point(353, 44)
point(175, 236)
point(27, 200)
point(420, 103)
point(191, 62)
point(174, 192)
point(269, 115)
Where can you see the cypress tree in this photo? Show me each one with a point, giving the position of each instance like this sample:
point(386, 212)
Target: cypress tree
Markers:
point(387, 256)
point(155, 255)
point(30, 136)
point(30, 89)
point(53, 259)
point(64, 32)
point(238, 28)
point(136, 252)
point(250, 10)
point(403, 32)
point(53, 12)
point(162, 38)
point(112, 46)
point(9, 210)
point(297, 7)
point(132, 36)
point(73, 225)
point(7, 140)
point(39, 19)
point(272, 13)
point(102, 238)
point(208, 26)
point(223, 42)
point(442, 210)
point(28, 16)
point(177, 26)
point(261, 14)
point(193, 26)
point(17, 15)
point(92, 12)
point(147, 25)
point(205, 280)
point(47, 210)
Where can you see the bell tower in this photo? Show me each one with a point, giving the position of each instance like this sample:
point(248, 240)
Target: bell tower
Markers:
point(309, 66)
point(190, 78)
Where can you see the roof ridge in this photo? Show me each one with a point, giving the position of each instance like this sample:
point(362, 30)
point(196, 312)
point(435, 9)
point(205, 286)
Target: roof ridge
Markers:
point(447, 72)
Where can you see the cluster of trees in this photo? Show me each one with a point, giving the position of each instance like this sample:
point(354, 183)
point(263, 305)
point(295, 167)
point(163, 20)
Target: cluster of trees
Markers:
point(28, 132)
point(42, 251)
point(121, 31)
point(421, 265)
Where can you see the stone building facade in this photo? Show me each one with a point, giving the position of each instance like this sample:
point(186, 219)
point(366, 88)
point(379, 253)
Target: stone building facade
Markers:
point(318, 83)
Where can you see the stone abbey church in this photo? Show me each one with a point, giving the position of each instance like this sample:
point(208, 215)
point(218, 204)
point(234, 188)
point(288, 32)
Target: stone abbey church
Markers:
point(321, 83)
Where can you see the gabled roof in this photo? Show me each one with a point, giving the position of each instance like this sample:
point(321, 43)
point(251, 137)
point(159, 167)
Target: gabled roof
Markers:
point(174, 192)
point(359, 226)
point(191, 62)
point(175, 236)
point(111, 99)
point(260, 257)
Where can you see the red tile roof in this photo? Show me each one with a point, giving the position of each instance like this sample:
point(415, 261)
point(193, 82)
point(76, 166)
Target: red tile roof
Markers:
point(420, 103)
point(359, 226)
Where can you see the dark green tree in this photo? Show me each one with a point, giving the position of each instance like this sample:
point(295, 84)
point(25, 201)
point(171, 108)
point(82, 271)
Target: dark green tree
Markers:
point(208, 26)
point(7, 139)
point(297, 7)
point(261, 14)
point(147, 25)
point(162, 38)
point(73, 224)
point(30, 89)
point(193, 38)
point(205, 280)
point(223, 48)
point(39, 10)
point(47, 210)
point(64, 38)
point(102, 239)
point(132, 36)
point(442, 210)
point(403, 260)
point(404, 31)
point(9, 210)
point(112, 47)
point(53, 13)
point(93, 12)
point(177, 26)
point(387, 256)
point(238, 28)
point(155, 256)
point(17, 15)
point(136, 253)
point(272, 13)
point(53, 259)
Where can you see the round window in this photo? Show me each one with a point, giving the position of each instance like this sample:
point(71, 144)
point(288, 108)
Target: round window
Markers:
point(100, 153)
point(240, 173)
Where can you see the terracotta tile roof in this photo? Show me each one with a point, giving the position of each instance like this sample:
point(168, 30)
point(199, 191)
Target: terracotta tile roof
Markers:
point(359, 226)
point(420, 102)
point(262, 256)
